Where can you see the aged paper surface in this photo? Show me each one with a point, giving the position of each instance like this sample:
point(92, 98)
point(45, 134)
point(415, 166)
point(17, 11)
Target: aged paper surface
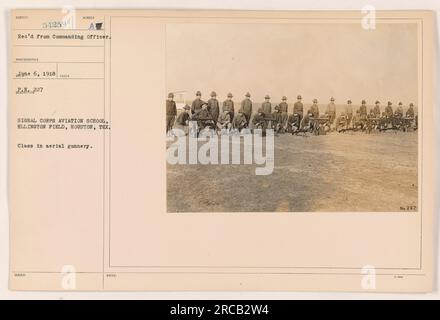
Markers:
point(221, 150)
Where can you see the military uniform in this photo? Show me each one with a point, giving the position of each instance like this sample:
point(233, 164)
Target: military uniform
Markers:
point(283, 107)
point(389, 111)
point(246, 108)
point(239, 121)
point(331, 111)
point(258, 121)
point(376, 110)
point(276, 119)
point(298, 108)
point(171, 112)
point(267, 107)
point(410, 112)
point(182, 120)
point(349, 112)
point(341, 122)
point(228, 105)
point(213, 107)
point(224, 121)
point(363, 110)
point(399, 111)
point(314, 109)
point(196, 105)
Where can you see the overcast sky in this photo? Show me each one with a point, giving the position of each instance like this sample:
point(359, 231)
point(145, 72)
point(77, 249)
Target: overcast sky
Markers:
point(314, 60)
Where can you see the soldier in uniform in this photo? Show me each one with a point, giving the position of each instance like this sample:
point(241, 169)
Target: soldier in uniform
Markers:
point(389, 109)
point(228, 105)
point(213, 106)
point(283, 107)
point(196, 105)
point(239, 121)
point(331, 111)
point(363, 110)
point(267, 109)
point(349, 113)
point(183, 119)
point(171, 112)
point(298, 108)
point(388, 113)
point(376, 109)
point(276, 119)
point(341, 122)
point(224, 121)
point(246, 107)
point(203, 118)
point(314, 109)
point(398, 115)
point(306, 123)
point(410, 112)
point(399, 110)
point(357, 121)
point(259, 121)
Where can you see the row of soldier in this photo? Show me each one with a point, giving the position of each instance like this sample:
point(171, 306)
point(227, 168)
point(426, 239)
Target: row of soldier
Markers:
point(207, 114)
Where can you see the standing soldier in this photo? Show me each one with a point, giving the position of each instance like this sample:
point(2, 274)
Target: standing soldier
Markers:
point(349, 113)
point(331, 111)
point(389, 110)
point(196, 105)
point(363, 110)
point(266, 106)
point(171, 111)
point(376, 109)
point(314, 109)
point(228, 105)
point(213, 106)
point(399, 110)
point(388, 113)
point(267, 109)
point(298, 108)
point(246, 107)
point(398, 115)
point(283, 107)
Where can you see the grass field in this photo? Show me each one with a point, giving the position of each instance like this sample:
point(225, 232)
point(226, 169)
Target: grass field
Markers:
point(336, 172)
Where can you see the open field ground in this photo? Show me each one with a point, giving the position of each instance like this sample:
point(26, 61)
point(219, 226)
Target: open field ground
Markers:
point(335, 172)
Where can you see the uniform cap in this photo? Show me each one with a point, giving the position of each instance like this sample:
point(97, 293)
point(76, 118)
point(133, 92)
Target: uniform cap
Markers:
point(411, 104)
point(348, 101)
point(284, 98)
point(260, 110)
point(267, 97)
point(170, 95)
point(400, 103)
point(229, 95)
point(332, 99)
point(315, 100)
point(213, 94)
point(186, 107)
point(377, 102)
point(390, 103)
point(364, 102)
point(299, 97)
point(247, 94)
point(198, 93)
